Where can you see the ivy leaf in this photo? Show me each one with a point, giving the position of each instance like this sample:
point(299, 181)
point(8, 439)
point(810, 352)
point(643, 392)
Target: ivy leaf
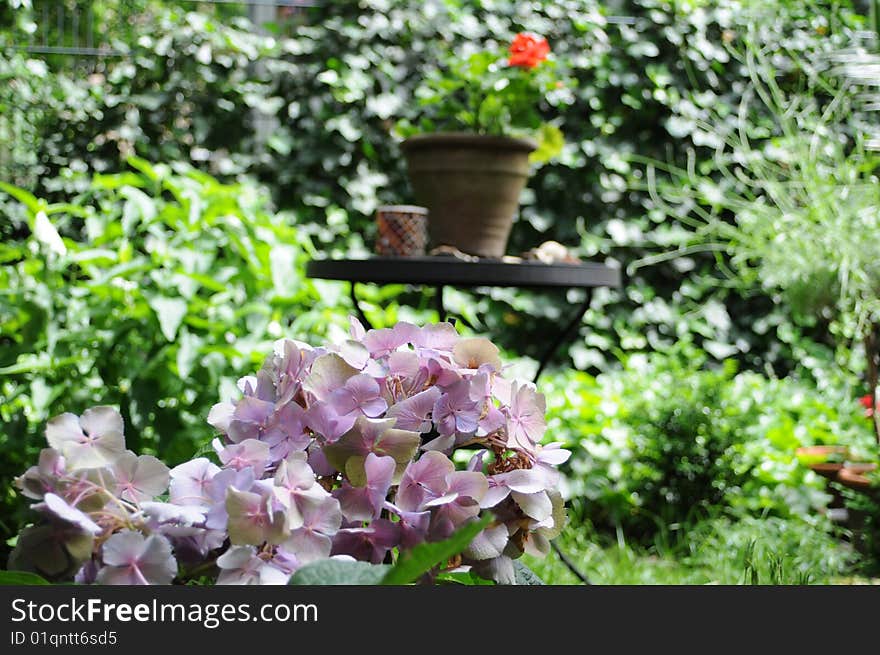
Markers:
point(29, 200)
point(187, 353)
point(170, 312)
point(46, 233)
point(339, 572)
point(9, 578)
point(412, 564)
point(550, 144)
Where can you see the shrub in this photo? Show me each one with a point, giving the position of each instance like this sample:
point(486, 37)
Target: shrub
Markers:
point(663, 443)
point(149, 290)
point(310, 111)
point(792, 201)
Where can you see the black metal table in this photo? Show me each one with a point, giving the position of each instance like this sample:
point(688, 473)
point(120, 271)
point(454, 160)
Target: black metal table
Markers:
point(449, 271)
point(444, 271)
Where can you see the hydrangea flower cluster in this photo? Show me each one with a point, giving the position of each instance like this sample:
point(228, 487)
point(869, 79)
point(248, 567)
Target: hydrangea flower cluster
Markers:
point(361, 449)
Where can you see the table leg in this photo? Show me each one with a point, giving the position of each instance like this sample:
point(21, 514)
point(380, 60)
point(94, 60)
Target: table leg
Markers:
point(357, 307)
point(438, 298)
point(564, 336)
point(566, 560)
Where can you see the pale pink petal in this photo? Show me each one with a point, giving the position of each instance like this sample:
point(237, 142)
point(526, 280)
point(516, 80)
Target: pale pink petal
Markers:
point(58, 507)
point(488, 544)
point(414, 413)
point(537, 506)
point(356, 329)
point(469, 484)
point(220, 416)
point(441, 336)
point(475, 352)
point(328, 373)
point(494, 496)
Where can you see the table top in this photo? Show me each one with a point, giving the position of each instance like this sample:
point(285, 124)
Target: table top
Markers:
point(443, 270)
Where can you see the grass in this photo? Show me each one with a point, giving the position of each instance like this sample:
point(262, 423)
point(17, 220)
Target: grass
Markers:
point(718, 551)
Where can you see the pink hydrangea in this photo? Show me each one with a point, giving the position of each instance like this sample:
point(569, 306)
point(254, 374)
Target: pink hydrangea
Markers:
point(344, 450)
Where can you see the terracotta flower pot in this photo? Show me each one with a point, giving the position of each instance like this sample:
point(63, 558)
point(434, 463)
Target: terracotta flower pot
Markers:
point(816, 457)
point(471, 185)
point(853, 475)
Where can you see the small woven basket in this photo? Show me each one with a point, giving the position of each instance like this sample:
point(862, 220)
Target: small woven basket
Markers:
point(402, 230)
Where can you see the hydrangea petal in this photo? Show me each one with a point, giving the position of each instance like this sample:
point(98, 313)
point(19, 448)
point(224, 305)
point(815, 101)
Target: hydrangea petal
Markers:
point(240, 565)
point(248, 453)
point(323, 419)
point(43, 478)
point(220, 416)
point(537, 506)
point(403, 363)
point(170, 513)
point(94, 440)
point(414, 413)
point(251, 520)
point(490, 543)
point(131, 558)
point(424, 480)
point(140, 478)
point(469, 484)
point(441, 336)
point(56, 506)
point(494, 495)
point(553, 454)
point(328, 373)
point(474, 352)
point(190, 482)
point(308, 546)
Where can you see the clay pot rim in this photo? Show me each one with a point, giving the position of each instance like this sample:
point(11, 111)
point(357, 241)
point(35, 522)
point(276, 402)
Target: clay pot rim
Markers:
point(852, 479)
point(449, 139)
point(826, 466)
point(403, 209)
point(858, 468)
point(822, 450)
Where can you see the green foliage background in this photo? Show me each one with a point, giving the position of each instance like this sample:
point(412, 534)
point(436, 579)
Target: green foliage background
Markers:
point(193, 171)
point(310, 112)
point(664, 443)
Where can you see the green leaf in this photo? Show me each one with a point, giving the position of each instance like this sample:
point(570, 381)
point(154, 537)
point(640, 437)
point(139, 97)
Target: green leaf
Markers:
point(144, 167)
point(116, 180)
point(187, 353)
point(525, 575)
point(466, 578)
point(138, 208)
point(339, 572)
point(413, 564)
point(550, 144)
point(282, 260)
point(29, 200)
point(8, 578)
point(47, 234)
point(170, 312)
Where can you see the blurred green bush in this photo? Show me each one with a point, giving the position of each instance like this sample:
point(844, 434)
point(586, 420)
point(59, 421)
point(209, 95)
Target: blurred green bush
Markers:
point(164, 284)
point(665, 443)
point(309, 110)
point(153, 290)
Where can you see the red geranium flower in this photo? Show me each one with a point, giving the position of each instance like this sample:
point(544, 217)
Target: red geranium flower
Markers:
point(867, 402)
point(528, 50)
